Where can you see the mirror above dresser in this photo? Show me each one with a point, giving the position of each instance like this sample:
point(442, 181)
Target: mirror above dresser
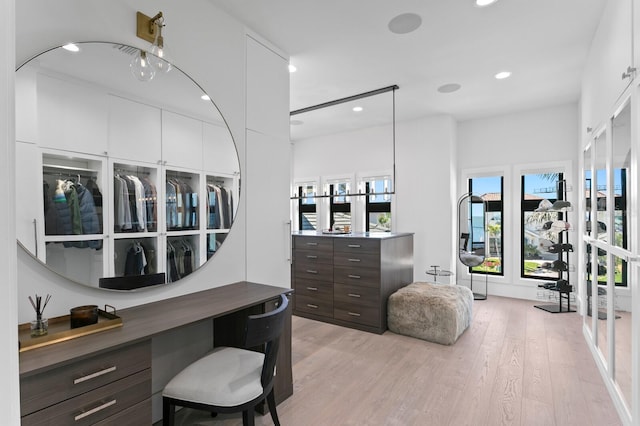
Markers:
point(121, 184)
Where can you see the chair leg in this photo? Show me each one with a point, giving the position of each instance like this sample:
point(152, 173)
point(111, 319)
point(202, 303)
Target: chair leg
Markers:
point(248, 417)
point(271, 402)
point(168, 413)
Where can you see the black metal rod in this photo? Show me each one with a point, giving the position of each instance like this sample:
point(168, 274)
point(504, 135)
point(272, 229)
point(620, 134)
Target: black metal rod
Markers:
point(344, 100)
point(355, 194)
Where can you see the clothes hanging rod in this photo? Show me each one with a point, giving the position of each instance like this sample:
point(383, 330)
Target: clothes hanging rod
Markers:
point(347, 99)
point(68, 168)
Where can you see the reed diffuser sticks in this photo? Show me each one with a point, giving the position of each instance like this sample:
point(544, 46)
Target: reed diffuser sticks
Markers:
point(38, 306)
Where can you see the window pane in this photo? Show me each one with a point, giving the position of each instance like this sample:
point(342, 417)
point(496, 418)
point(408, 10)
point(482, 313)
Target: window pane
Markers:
point(490, 190)
point(537, 234)
point(309, 221)
point(379, 222)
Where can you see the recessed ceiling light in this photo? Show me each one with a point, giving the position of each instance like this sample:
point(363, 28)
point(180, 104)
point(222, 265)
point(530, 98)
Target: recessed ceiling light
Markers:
point(296, 122)
point(483, 3)
point(357, 108)
point(71, 47)
point(405, 23)
point(205, 97)
point(503, 74)
point(292, 68)
point(448, 88)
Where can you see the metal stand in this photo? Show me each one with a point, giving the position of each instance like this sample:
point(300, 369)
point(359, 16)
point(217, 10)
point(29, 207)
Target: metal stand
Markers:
point(557, 309)
point(480, 296)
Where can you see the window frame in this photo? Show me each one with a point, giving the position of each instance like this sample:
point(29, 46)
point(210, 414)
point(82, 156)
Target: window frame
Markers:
point(492, 206)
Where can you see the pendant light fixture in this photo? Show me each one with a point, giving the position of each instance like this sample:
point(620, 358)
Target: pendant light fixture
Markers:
point(145, 65)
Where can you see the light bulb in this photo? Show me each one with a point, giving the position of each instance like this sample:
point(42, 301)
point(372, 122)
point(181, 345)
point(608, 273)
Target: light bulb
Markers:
point(141, 68)
point(158, 57)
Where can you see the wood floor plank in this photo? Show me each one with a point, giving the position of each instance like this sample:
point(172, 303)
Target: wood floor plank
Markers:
point(514, 365)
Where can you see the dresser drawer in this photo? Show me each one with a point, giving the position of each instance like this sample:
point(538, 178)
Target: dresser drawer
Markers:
point(366, 315)
point(314, 305)
point(357, 260)
point(96, 405)
point(50, 387)
point(319, 244)
point(317, 289)
point(313, 256)
point(354, 295)
point(368, 277)
point(313, 271)
point(136, 415)
point(356, 245)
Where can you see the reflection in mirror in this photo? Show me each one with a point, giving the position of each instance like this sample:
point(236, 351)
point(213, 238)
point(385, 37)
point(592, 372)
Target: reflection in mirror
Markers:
point(600, 165)
point(601, 305)
point(472, 228)
point(121, 184)
point(588, 189)
point(621, 137)
point(622, 329)
point(589, 285)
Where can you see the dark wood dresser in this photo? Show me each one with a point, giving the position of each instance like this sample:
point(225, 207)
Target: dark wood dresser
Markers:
point(347, 279)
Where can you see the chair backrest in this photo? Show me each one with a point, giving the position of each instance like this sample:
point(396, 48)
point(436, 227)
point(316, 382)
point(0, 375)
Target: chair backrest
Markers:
point(265, 329)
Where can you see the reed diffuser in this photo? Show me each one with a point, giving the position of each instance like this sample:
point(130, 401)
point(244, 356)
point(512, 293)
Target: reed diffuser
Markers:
point(40, 326)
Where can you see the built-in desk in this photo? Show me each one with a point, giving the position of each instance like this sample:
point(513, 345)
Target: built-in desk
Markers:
point(63, 382)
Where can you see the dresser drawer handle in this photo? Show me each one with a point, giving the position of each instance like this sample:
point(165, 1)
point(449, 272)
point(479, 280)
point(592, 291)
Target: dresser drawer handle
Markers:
point(312, 244)
point(353, 295)
point(310, 256)
point(94, 375)
point(354, 260)
point(354, 245)
point(312, 306)
point(354, 314)
point(357, 277)
point(95, 410)
point(312, 288)
point(311, 271)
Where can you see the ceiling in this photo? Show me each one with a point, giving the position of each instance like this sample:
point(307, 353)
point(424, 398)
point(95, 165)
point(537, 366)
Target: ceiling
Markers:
point(342, 48)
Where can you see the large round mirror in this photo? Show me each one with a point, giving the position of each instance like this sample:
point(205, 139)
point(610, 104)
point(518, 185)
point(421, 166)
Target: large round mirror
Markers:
point(121, 183)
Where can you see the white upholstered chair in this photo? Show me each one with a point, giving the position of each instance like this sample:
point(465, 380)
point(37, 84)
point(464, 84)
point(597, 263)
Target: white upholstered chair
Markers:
point(229, 380)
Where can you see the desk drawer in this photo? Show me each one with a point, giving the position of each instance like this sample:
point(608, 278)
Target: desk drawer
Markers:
point(368, 277)
point(314, 305)
point(50, 387)
point(313, 256)
point(96, 405)
point(136, 415)
point(356, 245)
point(319, 244)
point(313, 271)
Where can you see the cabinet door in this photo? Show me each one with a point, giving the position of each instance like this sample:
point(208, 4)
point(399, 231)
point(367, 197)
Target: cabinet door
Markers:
point(134, 131)
point(71, 117)
point(181, 141)
point(219, 153)
point(29, 198)
point(268, 229)
point(610, 55)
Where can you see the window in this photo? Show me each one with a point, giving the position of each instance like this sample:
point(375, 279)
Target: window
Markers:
point(307, 210)
point(535, 239)
point(339, 205)
point(620, 224)
point(490, 189)
point(378, 205)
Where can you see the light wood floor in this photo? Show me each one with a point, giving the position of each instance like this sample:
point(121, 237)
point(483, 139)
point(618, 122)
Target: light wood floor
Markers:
point(515, 365)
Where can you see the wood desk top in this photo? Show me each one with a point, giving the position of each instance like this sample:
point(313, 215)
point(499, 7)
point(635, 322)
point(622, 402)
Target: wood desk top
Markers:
point(144, 321)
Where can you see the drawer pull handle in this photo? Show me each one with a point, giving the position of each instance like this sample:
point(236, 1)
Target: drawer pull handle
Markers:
point(312, 306)
point(357, 277)
point(354, 260)
point(311, 271)
point(310, 256)
point(312, 288)
point(95, 410)
point(354, 314)
point(94, 375)
point(312, 244)
point(354, 246)
point(353, 295)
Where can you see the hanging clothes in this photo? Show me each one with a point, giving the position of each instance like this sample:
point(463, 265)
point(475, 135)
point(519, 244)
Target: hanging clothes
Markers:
point(136, 260)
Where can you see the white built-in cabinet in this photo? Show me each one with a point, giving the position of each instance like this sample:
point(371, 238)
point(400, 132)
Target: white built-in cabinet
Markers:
point(112, 136)
point(610, 246)
point(268, 165)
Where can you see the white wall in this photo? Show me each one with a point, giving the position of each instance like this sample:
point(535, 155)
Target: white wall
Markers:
point(205, 43)
point(514, 144)
point(10, 405)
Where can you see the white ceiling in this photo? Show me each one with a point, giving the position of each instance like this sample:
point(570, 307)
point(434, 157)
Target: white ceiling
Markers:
point(342, 48)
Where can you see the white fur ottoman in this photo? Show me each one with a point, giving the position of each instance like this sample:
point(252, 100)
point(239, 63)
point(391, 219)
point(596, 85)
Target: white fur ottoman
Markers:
point(433, 312)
